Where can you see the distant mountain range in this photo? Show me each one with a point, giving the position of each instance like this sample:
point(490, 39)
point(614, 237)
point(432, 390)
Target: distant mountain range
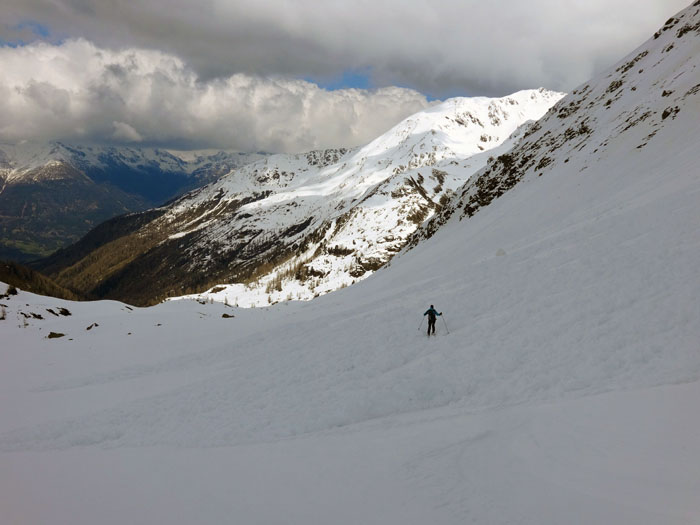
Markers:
point(295, 226)
point(52, 194)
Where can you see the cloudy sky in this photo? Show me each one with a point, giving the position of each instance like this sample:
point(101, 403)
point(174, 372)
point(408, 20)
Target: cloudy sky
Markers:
point(285, 75)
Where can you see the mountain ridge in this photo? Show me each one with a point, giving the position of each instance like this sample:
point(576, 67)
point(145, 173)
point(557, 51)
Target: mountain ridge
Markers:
point(295, 226)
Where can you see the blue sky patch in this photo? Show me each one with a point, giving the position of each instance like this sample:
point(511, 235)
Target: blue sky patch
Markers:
point(35, 27)
point(359, 79)
point(30, 31)
point(350, 78)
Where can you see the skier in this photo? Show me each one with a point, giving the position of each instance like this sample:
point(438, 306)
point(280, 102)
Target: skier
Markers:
point(432, 314)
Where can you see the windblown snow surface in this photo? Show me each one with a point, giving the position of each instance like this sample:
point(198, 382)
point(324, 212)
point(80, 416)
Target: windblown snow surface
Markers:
point(565, 392)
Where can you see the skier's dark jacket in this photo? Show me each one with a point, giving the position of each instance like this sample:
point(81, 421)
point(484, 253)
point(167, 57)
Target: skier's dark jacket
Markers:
point(431, 313)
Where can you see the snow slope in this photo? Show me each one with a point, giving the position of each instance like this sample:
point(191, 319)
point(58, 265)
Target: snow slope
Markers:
point(565, 392)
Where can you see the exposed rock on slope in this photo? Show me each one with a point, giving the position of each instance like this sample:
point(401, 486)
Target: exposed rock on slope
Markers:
point(611, 117)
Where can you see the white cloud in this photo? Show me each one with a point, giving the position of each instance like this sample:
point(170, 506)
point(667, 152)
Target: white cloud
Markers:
point(223, 76)
point(123, 132)
point(441, 47)
point(80, 92)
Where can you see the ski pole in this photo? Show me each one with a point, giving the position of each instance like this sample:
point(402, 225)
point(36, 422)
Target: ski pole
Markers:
point(421, 322)
point(443, 320)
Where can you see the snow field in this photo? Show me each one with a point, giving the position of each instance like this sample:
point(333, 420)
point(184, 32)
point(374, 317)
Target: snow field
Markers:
point(595, 292)
point(566, 391)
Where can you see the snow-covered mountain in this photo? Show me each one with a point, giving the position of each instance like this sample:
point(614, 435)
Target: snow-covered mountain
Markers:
point(562, 386)
point(20, 161)
point(296, 226)
point(53, 193)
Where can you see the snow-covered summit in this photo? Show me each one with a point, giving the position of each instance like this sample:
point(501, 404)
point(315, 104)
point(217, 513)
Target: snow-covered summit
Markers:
point(462, 126)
